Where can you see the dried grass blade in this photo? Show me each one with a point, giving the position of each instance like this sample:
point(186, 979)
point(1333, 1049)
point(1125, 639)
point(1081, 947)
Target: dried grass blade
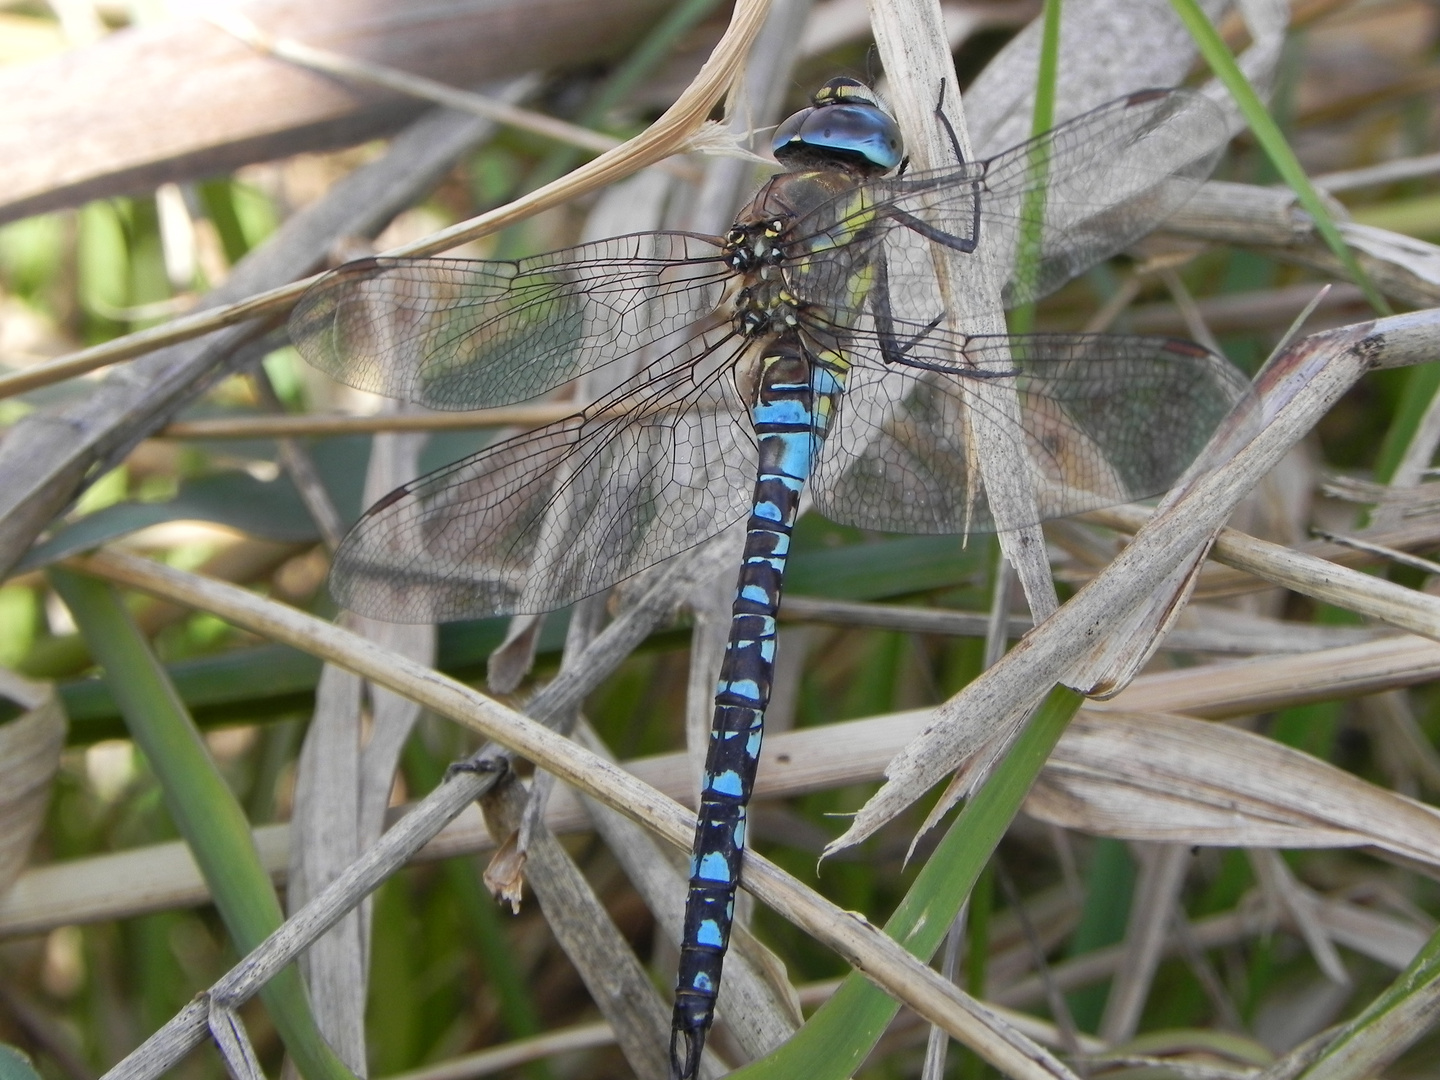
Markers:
point(618, 985)
point(910, 35)
point(1407, 609)
point(30, 746)
point(1162, 874)
point(1171, 779)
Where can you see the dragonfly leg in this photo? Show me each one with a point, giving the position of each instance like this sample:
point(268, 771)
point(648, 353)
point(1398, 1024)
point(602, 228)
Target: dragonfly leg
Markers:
point(897, 350)
point(892, 347)
point(945, 123)
point(963, 244)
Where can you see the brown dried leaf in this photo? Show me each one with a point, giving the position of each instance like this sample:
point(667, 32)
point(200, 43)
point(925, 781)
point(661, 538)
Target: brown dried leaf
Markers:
point(1172, 779)
point(30, 748)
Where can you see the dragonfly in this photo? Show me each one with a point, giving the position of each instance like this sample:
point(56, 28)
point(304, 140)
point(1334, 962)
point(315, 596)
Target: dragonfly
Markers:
point(814, 345)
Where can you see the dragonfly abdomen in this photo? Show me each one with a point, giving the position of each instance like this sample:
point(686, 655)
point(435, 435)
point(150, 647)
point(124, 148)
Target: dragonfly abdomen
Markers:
point(794, 403)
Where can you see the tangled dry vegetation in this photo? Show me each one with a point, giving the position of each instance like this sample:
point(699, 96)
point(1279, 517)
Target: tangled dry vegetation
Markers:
point(1225, 870)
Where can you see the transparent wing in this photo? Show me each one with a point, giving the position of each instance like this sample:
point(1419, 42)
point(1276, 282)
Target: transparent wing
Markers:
point(1104, 420)
point(543, 519)
point(464, 334)
point(1082, 192)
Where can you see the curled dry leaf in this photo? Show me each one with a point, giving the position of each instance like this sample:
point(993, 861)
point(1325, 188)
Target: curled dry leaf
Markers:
point(1172, 779)
point(505, 876)
point(30, 748)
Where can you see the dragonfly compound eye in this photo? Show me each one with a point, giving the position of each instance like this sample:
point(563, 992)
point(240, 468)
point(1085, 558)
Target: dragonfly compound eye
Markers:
point(845, 126)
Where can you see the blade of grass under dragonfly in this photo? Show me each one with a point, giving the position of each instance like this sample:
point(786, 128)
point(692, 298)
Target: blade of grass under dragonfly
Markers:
point(201, 805)
point(839, 1036)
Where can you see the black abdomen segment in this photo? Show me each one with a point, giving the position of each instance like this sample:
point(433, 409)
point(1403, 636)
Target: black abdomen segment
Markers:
point(795, 403)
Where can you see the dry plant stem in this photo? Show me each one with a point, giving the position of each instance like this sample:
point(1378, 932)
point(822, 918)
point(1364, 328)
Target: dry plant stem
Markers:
point(510, 1055)
point(1426, 566)
point(1248, 920)
point(233, 1042)
point(1224, 581)
point(584, 930)
point(162, 876)
point(1255, 635)
point(259, 427)
point(1162, 873)
point(1251, 686)
point(300, 466)
point(1388, 172)
point(348, 67)
point(1260, 310)
point(343, 780)
point(1283, 892)
point(864, 946)
point(663, 138)
point(1405, 608)
point(1269, 220)
point(910, 35)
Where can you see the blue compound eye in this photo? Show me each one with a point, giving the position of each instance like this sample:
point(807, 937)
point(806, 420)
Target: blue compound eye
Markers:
point(789, 131)
point(856, 130)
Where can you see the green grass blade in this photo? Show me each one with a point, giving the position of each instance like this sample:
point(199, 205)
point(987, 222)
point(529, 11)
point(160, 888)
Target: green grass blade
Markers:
point(837, 1039)
point(1212, 47)
point(201, 805)
point(1032, 214)
point(1402, 1014)
point(1422, 383)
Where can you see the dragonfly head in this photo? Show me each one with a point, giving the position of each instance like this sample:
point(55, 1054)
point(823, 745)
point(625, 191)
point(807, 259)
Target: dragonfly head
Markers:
point(844, 126)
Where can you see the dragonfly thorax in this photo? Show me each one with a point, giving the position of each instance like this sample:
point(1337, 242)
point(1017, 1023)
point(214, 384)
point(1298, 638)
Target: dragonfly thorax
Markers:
point(753, 246)
point(764, 304)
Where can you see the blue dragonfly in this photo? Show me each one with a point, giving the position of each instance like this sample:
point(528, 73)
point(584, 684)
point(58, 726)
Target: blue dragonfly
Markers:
point(811, 345)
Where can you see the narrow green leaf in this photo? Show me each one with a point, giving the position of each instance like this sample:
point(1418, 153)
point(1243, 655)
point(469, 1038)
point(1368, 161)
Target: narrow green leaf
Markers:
point(837, 1039)
point(1393, 1021)
point(201, 805)
point(1109, 886)
point(1422, 383)
point(1032, 215)
point(1212, 47)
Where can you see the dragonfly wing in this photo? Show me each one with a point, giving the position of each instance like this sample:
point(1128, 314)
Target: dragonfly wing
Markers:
point(466, 334)
point(543, 519)
point(1104, 420)
point(1097, 184)
point(1080, 193)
